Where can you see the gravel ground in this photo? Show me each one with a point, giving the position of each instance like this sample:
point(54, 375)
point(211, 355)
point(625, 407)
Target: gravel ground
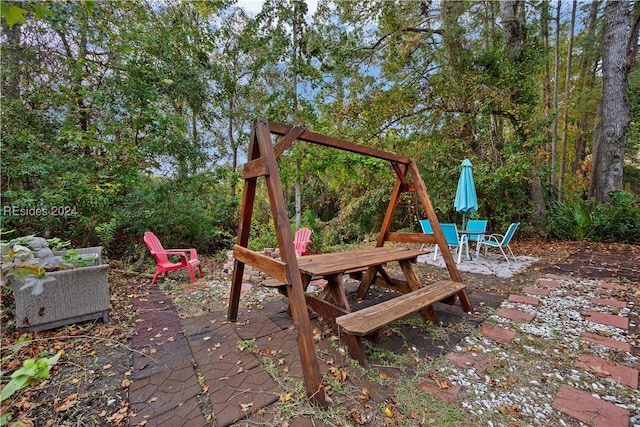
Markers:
point(542, 358)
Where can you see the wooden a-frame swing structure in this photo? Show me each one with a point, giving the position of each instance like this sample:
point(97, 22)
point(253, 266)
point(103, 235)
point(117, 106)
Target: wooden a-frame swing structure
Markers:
point(295, 273)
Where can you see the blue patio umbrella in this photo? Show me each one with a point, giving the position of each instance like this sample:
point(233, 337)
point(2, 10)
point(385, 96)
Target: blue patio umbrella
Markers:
point(466, 198)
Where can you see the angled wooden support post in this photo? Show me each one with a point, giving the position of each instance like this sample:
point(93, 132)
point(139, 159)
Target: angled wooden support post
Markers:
point(261, 154)
point(244, 227)
point(430, 213)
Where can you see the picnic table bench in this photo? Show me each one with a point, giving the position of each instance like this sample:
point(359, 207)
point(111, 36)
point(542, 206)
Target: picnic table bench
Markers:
point(371, 319)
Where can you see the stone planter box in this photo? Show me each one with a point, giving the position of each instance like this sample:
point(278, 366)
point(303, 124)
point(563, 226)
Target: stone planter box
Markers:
point(77, 295)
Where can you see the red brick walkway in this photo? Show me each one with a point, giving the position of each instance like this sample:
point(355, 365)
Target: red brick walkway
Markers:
point(569, 400)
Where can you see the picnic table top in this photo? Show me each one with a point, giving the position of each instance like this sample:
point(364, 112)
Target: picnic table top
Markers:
point(340, 262)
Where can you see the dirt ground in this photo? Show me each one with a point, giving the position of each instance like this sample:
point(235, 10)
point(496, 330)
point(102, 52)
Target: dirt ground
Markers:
point(89, 385)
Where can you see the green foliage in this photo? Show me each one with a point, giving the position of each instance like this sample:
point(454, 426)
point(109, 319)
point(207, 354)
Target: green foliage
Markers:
point(14, 14)
point(106, 232)
point(581, 221)
point(358, 219)
point(28, 258)
point(249, 344)
point(83, 131)
point(31, 371)
point(57, 244)
point(569, 220)
point(503, 192)
point(616, 221)
point(195, 211)
point(560, 220)
point(263, 235)
point(72, 257)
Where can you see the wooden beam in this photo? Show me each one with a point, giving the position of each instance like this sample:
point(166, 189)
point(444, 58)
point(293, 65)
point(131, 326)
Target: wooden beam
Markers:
point(401, 174)
point(367, 279)
point(363, 322)
point(340, 144)
point(271, 266)
point(324, 308)
point(428, 313)
point(393, 203)
point(396, 284)
point(295, 287)
point(430, 213)
point(384, 275)
point(254, 168)
point(289, 138)
point(244, 227)
point(410, 238)
point(258, 167)
point(421, 190)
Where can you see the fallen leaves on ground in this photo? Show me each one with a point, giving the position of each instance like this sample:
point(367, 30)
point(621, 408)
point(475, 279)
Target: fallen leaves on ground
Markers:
point(67, 403)
point(244, 407)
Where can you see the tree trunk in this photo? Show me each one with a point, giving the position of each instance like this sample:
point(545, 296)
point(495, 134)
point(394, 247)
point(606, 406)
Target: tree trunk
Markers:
point(615, 112)
point(294, 64)
point(588, 67)
point(556, 77)
point(546, 80)
point(567, 96)
point(512, 16)
point(539, 210)
point(296, 113)
point(632, 44)
point(234, 160)
point(298, 195)
point(11, 79)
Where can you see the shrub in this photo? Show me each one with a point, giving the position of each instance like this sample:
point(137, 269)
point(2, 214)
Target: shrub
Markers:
point(193, 212)
point(559, 221)
point(262, 235)
point(615, 221)
point(618, 220)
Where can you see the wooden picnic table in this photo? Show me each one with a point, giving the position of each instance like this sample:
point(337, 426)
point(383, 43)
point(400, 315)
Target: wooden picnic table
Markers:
point(368, 265)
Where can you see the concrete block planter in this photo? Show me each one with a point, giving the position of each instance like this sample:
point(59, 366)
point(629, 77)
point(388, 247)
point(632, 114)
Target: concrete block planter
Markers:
point(76, 295)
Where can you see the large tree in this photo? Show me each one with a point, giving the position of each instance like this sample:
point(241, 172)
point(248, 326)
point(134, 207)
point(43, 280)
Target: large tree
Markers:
point(620, 45)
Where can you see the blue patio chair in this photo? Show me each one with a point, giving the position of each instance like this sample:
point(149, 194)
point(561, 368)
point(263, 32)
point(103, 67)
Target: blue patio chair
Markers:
point(425, 224)
point(454, 240)
point(476, 225)
point(501, 241)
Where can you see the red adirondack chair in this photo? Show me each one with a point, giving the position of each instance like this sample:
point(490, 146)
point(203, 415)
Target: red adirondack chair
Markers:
point(188, 258)
point(301, 241)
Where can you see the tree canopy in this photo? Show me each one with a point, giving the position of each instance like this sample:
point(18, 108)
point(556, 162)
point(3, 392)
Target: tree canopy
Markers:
point(118, 117)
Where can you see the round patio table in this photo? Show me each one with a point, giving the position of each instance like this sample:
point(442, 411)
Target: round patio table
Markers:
point(471, 233)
